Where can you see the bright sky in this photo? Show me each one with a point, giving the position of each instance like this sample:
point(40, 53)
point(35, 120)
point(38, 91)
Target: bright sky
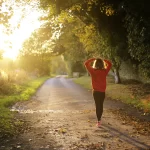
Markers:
point(27, 25)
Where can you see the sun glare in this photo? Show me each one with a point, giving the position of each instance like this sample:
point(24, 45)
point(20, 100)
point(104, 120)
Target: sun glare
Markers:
point(27, 19)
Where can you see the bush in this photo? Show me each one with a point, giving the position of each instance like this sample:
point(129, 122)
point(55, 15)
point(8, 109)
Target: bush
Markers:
point(17, 76)
point(9, 81)
point(10, 88)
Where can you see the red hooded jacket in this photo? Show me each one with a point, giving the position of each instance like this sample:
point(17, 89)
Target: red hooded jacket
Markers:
point(98, 76)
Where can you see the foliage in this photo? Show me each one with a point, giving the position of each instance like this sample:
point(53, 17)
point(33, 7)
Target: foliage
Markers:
point(10, 9)
point(5, 12)
point(36, 65)
point(110, 29)
point(89, 37)
point(35, 56)
point(137, 23)
point(100, 35)
point(9, 88)
point(58, 65)
point(35, 44)
point(10, 81)
point(74, 54)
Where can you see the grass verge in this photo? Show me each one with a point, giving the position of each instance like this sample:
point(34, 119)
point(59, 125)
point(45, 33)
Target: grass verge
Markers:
point(133, 93)
point(8, 124)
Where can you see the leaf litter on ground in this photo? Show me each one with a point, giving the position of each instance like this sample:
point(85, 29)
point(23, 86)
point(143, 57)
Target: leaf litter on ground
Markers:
point(140, 126)
point(87, 146)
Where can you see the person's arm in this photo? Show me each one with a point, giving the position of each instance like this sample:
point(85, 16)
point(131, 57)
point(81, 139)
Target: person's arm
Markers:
point(109, 64)
point(87, 64)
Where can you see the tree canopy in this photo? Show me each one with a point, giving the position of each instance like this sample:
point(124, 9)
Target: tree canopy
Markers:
point(115, 29)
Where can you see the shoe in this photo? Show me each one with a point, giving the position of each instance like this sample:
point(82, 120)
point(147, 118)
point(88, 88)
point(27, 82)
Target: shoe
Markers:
point(98, 124)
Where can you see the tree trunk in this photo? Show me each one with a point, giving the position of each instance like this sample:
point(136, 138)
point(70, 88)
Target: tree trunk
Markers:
point(117, 76)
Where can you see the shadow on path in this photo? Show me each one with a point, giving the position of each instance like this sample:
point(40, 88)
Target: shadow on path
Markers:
point(126, 138)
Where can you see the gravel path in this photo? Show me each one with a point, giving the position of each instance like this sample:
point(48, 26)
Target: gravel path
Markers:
point(61, 116)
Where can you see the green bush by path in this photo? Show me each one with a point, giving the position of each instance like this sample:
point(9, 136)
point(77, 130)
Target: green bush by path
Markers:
point(7, 122)
point(123, 92)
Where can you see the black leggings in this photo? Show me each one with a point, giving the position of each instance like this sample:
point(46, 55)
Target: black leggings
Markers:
point(99, 100)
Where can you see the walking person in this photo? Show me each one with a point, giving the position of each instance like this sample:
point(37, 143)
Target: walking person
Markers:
point(98, 73)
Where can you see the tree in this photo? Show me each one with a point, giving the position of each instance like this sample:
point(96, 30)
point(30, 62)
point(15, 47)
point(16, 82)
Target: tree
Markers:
point(35, 55)
point(137, 23)
point(74, 53)
point(6, 12)
point(39, 41)
point(58, 65)
point(38, 65)
point(120, 40)
point(103, 30)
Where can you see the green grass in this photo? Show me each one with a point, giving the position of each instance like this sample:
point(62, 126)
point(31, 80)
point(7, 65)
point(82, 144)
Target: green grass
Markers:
point(84, 81)
point(7, 122)
point(120, 92)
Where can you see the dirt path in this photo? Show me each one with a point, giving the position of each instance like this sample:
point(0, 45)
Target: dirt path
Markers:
point(61, 116)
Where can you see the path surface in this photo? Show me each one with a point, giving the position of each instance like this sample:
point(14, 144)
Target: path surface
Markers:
point(61, 116)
